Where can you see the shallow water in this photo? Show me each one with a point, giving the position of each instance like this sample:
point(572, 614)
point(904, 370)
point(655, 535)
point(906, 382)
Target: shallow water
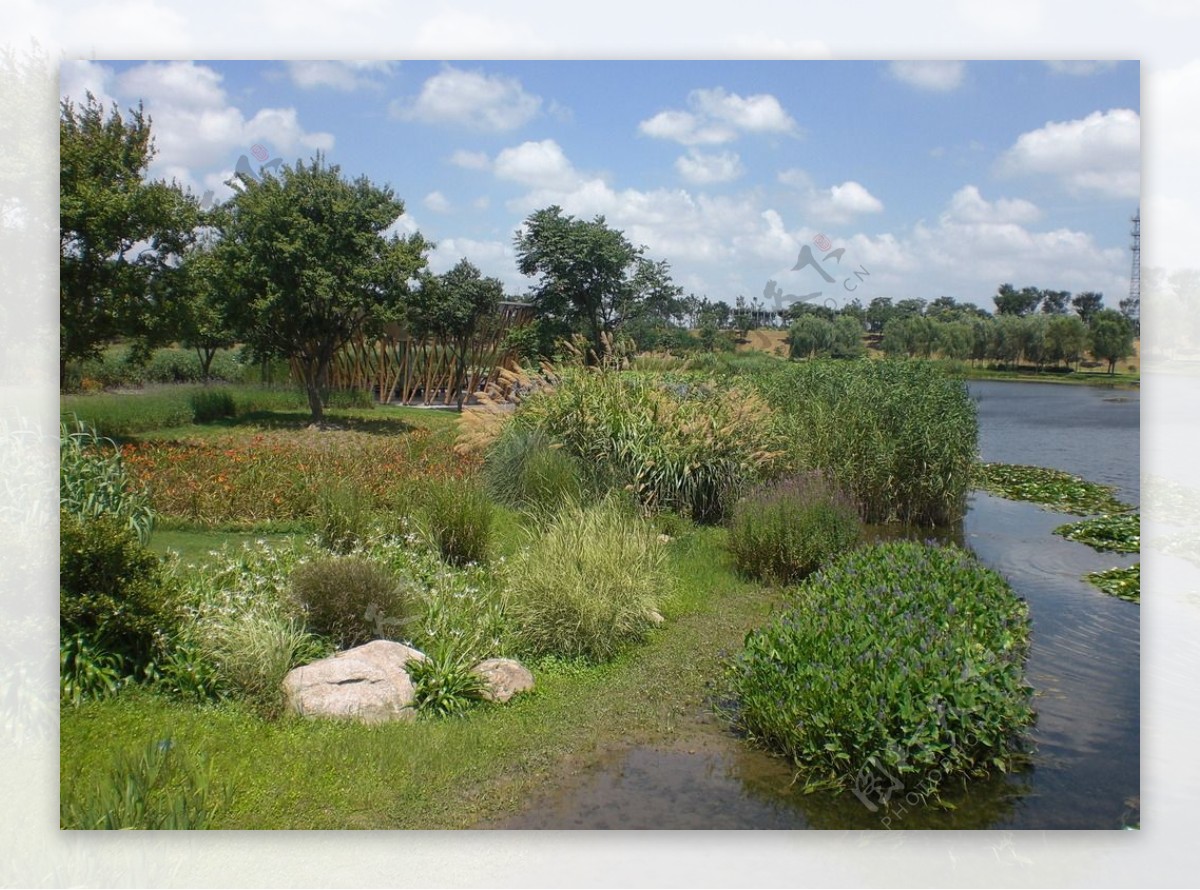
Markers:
point(1083, 665)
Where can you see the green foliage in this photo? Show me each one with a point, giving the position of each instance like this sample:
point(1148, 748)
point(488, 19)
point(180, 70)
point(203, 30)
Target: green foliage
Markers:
point(112, 590)
point(898, 437)
point(689, 447)
point(587, 587)
point(1050, 488)
point(525, 469)
point(1123, 583)
point(455, 307)
point(1112, 337)
point(902, 659)
point(1118, 533)
point(349, 599)
point(158, 788)
point(107, 206)
point(457, 517)
point(86, 672)
point(782, 531)
point(589, 275)
point(212, 404)
point(344, 515)
point(310, 264)
point(93, 481)
point(444, 684)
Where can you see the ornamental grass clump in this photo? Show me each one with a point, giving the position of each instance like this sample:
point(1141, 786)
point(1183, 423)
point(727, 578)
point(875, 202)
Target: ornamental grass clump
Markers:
point(590, 585)
point(901, 660)
point(784, 530)
point(900, 436)
point(349, 599)
point(688, 447)
point(524, 468)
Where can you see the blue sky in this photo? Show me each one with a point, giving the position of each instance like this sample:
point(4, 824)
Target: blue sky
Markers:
point(935, 177)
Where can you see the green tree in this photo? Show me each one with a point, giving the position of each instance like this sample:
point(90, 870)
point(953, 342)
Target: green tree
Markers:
point(1066, 339)
point(879, 312)
point(590, 275)
point(1087, 304)
point(810, 336)
point(1054, 302)
point(455, 307)
point(1112, 337)
point(1010, 301)
point(117, 232)
point(197, 302)
point(313, 265)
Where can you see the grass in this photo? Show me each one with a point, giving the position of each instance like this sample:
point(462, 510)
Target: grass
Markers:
point(1050, 488)
point(299, 774)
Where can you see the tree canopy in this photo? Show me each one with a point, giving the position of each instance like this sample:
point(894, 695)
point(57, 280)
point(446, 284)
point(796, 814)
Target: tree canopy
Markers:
point(312, 265)
point(117, 233)
point(590, 277)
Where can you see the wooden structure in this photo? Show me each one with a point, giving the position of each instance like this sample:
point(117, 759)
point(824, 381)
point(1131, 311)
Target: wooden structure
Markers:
point(399, 367)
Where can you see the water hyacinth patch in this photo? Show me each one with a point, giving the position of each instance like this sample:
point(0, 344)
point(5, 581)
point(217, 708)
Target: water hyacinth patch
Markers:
point(1123, 583)
point(902, 658)
point(1050, 488)
point(1120, 533)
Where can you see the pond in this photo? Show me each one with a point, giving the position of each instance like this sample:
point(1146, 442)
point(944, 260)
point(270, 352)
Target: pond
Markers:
point(1083, 665)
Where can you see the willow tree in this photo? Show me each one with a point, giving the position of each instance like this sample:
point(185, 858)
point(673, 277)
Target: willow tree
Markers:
point(313, 264)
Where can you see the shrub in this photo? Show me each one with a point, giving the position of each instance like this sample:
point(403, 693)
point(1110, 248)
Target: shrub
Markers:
point(211, 404)
point(589, 585)
point(159, 787)
point(901, 437)
point(112, 590)
point(524, 468)
point(457, 517)
point(900, 659)
point(86, 672)
point(784, 530)
point(93, 481)
point(349, 599)
point(690, 447)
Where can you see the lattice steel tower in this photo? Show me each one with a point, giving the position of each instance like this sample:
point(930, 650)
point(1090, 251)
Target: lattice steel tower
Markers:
point(1135, 274)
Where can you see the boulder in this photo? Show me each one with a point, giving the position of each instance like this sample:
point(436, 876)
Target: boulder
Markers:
point(503, 678)
point(368, 683)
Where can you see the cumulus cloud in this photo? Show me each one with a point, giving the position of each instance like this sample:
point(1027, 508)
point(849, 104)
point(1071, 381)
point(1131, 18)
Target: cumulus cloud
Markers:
point(716, 116)
point(493, 258)
point(940, 77)
point(704, 169)
point(540, 165)
point(79, 77)
point(471, 99)
point(198, 132)
point(437, 202)
point(340, 75)
point(832, 206)
point(967, 205)
point(471, 160)
point(1081, 67)
point(1099, 154)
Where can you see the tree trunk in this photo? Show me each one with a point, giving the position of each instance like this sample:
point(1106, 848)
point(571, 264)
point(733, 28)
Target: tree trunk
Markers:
point(312, 384)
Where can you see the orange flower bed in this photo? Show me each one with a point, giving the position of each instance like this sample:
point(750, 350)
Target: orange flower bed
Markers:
point(277, 476)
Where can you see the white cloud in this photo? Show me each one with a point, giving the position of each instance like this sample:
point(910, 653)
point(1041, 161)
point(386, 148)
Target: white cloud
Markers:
point(540, 165)
point(472, 99)
point(938, 77)
point(79, 77)
point(470, 160)
point(703, 169)
point(968, 206)
point(339, 75)
point(1081, 67)
point(844, 202)
point(717, 116)
point(493, 258)
point(437, 202)
point(198, 133)
point(1099, 154)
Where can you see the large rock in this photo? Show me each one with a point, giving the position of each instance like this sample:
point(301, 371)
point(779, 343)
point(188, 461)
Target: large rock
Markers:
point(503, 678)
point(368, 683)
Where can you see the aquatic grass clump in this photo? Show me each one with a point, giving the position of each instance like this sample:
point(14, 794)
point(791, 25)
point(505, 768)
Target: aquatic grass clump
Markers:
point(1123, 583)
point(590, 585)
point(900, 436)
point(782, 531)
point(688, 447)
point(901, 659)
point(1119, 533)
point(1050, 488)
